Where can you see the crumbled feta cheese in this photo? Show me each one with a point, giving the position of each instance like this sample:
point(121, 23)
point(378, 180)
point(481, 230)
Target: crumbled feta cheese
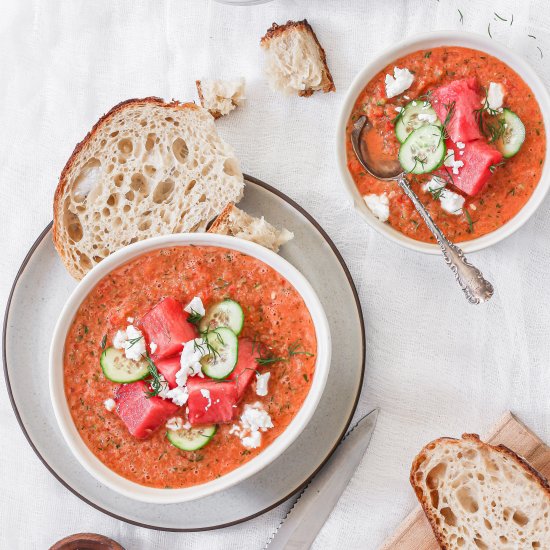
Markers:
point(261, 383)
point(460, 145)
point(255, 418)
point(130, 320)
point(109, 404)
point(399, 109)
point(406, 97)
point(190, 365)
point(451, 202)
point(119, 339)
point(495, 96)
point(252, 441)
point(206, 394)
point(178, 395)
point(379, 205)
point(451, 162)
point(131, 341)
point(399, 82)
point(430, 118)
point(434, 184)
point(414, 103)
point(164, 387)
point(187, 426)
point(175, 423)
point(195, 306)
point(153, 347)
point(473, 206)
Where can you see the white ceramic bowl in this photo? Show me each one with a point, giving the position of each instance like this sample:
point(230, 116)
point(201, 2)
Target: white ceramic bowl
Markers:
point(427, 41)
point(164, 496)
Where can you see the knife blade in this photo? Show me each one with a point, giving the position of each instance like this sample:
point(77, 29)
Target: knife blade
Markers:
point(304, 520)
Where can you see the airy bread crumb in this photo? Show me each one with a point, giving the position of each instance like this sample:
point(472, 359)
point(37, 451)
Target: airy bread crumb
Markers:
point(146, 168)
point(237, 223)
point(220, 97)
point(296, 63)
point(480, 496)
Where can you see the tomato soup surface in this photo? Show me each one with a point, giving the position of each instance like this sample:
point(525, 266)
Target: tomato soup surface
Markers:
point(511, 184)
point(275, 314)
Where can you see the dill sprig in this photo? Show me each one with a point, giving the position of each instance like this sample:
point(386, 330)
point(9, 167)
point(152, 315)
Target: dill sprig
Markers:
point(296, 348)
point(157, 383)
point(448, 117)
point(500, 17)
point(104, 341)
point(134, 341)
point(493, 167)
point(194, 317)
point(469, 220)
point(461, 17)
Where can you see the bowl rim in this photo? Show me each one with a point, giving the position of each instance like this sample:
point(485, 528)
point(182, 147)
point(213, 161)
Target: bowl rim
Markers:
point(431, 40)
point(134, 490)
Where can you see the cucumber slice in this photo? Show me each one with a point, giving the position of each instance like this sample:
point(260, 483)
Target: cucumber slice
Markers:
point(514, 133)
point(225, 351)
point(226, 313)
point(118, 368)
point(423, 151)
point(192, 439)
point(409, 119)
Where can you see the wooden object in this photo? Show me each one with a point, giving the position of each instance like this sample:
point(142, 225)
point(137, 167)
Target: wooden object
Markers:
point(415, 533)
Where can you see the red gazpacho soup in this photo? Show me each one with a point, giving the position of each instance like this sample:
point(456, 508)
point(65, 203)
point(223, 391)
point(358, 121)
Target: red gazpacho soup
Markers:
point(467, 131)
point(187, 362)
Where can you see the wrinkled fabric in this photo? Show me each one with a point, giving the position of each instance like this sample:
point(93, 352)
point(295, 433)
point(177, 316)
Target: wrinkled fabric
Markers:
point(435, 364)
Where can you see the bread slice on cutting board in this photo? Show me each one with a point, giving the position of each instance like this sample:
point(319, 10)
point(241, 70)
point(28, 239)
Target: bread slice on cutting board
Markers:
point(146, 168)
point(220, 97)
point(296, 63)
point(236, 223)
point(480, 496)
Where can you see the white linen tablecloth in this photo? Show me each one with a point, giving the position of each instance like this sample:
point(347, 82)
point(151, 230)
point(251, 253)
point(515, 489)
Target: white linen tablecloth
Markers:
point(435, 365)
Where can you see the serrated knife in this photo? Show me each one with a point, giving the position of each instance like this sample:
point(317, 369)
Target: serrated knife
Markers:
point(304, 520)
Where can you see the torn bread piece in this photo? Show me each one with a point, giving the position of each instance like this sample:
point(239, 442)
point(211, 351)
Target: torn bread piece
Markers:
point(477, 495)
point(147, 168)
point(237, 223)
point(220, 97)
point(296, 63)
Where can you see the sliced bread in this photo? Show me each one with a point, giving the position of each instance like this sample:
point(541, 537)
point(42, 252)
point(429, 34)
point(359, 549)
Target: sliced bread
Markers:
point(236, 223)
point(220, 97)
point(296, 63)
point(146, 168)
point(480, 496)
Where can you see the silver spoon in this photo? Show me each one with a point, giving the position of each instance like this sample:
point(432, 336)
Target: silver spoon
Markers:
point(476, 288)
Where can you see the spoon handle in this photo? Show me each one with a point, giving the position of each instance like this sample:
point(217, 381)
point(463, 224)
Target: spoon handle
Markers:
point(470, 279)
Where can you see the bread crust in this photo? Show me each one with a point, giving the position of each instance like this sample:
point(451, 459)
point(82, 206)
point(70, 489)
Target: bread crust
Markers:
point(63, 181)
point(215, 114)
point(223, 217)
point(423, 455)
point(303, 26)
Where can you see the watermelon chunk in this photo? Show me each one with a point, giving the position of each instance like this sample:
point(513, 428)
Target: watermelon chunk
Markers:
point(465, 95)
point(246, 365)
point(169, 368)
point(477, 158)
point(211, 402)
point(166, 325)
point(141, 414)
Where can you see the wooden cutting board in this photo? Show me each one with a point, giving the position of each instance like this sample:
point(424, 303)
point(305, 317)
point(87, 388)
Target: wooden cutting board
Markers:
point(415, 532)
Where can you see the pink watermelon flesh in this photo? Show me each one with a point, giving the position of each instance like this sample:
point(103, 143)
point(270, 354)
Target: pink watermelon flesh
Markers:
point(166, 325)
point(218, 408)
point(477, 158)
point(169, 368)
point(465, 95)
point(141, 414)
point(246, 366)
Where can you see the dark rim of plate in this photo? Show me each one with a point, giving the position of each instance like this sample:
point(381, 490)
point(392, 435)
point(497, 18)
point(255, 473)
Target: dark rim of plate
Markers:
point(291, 493)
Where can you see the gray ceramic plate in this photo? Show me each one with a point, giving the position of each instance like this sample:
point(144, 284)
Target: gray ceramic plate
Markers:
point(38, 294)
